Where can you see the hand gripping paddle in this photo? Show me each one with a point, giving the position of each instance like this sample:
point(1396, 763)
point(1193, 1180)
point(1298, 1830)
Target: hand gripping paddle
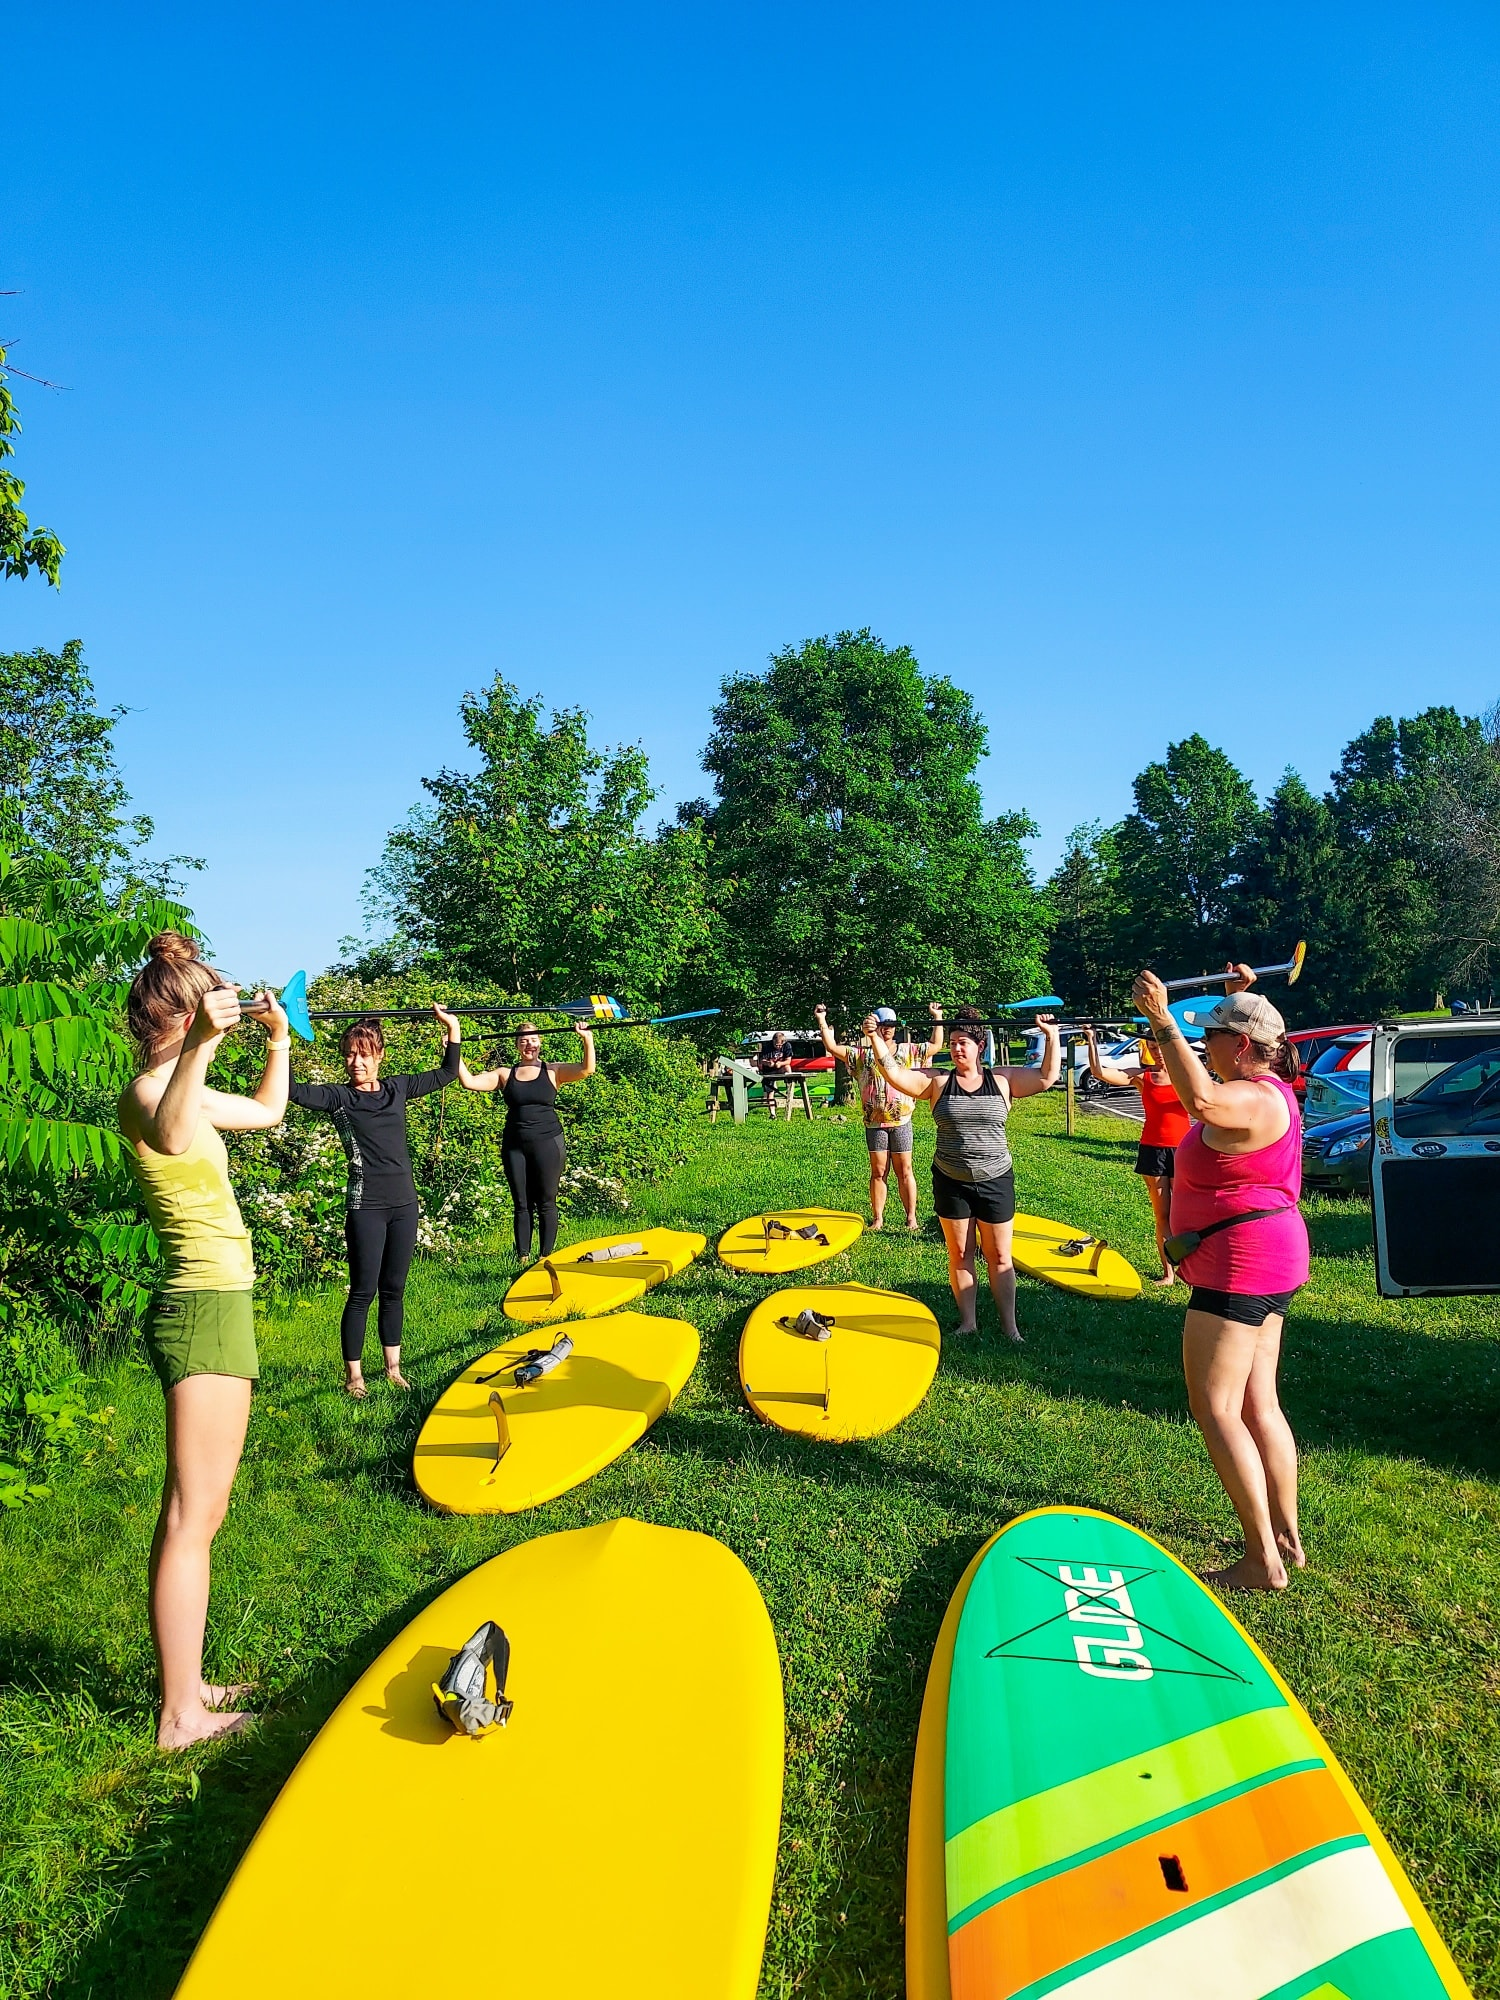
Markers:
point(293, 997)
point(1292, 968)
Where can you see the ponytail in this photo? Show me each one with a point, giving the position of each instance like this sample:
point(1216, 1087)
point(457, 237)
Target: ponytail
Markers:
point(1279, 1057)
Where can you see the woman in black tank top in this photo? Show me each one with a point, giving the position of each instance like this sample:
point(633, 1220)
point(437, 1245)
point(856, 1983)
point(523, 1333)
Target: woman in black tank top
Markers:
point(533, 1148)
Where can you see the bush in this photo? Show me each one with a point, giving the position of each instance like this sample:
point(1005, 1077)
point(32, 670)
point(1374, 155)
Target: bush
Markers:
point(630, 1122)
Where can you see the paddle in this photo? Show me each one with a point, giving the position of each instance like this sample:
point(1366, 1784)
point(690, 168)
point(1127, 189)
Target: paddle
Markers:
point(293, 997)
point(483, 1013)
point(1292, 968)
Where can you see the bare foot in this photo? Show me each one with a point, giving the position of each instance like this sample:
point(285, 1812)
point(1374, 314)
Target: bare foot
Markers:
point(877, 1225)
point(1015, 1338)
point(1169, 1279)
point(214, 1695)
point(355, 1387)
point(183, 1731)
point(396, 1379)
point(966, 1329)
point(1247, 1574)
point(1291, 1548)
point(912, 1224)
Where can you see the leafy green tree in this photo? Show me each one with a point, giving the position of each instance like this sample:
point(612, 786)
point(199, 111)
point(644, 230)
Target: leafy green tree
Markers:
point(1177, 854)
point(60, 789)
point(1388, 913)
point(1086, 961)
point(22, 547)
point(850, 855)
point(1288, 887)
point(1463, 845)
point(533, 872)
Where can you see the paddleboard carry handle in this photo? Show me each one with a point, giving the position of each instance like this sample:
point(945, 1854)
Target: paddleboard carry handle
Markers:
point(541, 1361)
point(463, 1696)
point(809, 1325)
point(611, 1251)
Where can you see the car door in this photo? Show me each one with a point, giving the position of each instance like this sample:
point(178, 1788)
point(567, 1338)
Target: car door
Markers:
point(1435, 1172)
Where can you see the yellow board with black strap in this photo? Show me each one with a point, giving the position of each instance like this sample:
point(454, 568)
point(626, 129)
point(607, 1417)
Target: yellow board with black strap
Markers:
point(617, 1837)
point(789, 1239)
point(1072, 1260)
point(594, 1277)
point(871, 1372)
point(491, 1446)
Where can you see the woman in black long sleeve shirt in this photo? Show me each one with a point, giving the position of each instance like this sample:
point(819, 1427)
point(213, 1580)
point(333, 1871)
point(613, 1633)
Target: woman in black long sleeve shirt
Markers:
point(380, 1220)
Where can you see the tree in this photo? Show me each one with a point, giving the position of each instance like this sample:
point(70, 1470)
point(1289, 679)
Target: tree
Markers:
point(60, 788)
point(22, 547)
point(1287, 888)
point(1462, 839)
point(1086, 964)
point(1177, 852)
point(532, 871)
point(1388, 920)
point(850, 856)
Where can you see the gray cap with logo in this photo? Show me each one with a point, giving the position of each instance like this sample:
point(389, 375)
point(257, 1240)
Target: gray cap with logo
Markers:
point(1243, 1014)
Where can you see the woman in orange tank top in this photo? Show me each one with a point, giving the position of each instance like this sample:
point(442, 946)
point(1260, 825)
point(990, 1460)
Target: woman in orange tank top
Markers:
point(1165, 1129)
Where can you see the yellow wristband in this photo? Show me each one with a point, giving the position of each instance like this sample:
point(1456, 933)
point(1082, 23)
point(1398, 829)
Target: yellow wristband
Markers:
point(284, 1043)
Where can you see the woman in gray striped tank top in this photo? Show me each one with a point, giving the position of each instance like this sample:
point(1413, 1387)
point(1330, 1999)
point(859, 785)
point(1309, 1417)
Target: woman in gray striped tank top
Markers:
point(973, 1185)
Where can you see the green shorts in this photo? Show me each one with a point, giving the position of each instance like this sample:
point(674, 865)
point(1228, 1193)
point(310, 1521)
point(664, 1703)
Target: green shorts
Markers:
point(202, 1333)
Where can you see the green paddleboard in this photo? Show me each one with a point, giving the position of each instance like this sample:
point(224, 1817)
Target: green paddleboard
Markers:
point(1117, 1798)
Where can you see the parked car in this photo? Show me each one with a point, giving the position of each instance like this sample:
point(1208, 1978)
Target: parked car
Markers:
point(1340, 1080)
point(1458, 1100)
point(1336, 1155)
point(1310, 1043)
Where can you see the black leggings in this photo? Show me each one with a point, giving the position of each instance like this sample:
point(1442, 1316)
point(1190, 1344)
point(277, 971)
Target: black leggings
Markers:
point(381, 1244)
point(534, 1168)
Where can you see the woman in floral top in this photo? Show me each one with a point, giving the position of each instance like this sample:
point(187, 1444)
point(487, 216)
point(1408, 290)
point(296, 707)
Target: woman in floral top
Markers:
point(888, 1126)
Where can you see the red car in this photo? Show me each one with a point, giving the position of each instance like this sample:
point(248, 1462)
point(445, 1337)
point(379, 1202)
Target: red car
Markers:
point(1310, 1043)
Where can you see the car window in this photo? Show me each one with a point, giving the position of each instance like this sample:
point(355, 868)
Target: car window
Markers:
point(1334, 1054)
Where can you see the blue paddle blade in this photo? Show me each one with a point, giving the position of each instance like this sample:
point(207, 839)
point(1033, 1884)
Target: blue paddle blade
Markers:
point(1187, 1014)
point(294, 1000)
point(1037, 1000)
point(694, 1014)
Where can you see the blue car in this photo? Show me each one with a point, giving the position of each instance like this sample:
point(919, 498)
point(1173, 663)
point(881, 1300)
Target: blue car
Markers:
point(1336, 1155)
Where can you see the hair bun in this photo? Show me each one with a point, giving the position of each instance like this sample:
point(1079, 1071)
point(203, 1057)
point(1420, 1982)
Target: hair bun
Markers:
point(173, 947)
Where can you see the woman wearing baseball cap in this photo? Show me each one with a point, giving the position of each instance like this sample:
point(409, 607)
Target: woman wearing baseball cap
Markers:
point(1239, 1240)
point(888, 1121)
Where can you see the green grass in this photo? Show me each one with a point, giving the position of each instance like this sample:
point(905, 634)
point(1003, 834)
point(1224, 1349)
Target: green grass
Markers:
point(114, 1858)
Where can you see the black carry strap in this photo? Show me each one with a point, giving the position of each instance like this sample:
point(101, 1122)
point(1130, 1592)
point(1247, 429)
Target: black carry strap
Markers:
point(809, 1324)
point(610, 1251)
point(1187, 1240)
point(809, 1233)
point(462, 1695)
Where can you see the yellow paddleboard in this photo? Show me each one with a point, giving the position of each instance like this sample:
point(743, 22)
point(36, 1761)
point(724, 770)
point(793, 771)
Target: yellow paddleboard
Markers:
point(1072, 1260)
point(617, 1837)
point(577, 1283)
point(867, 1377)
point(759, 1244)
point(489, 1446)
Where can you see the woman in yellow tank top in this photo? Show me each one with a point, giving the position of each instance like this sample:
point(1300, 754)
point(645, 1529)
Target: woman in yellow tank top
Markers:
point(200, 1331)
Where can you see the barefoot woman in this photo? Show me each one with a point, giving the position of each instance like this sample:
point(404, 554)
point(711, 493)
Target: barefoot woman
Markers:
point(200, 1331)
point(1237, 1184)
point(533, 1146)
point(973, 1184)
point(381, 1212)
point(888, 1118)
point(1166, 1126)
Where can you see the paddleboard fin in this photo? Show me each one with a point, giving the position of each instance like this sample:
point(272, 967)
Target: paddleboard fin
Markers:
point(502, 1435)
point(463, 1696)
point(551, 1269)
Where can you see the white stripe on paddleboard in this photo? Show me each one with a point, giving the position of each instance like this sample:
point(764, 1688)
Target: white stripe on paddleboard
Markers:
point(1259, 1943)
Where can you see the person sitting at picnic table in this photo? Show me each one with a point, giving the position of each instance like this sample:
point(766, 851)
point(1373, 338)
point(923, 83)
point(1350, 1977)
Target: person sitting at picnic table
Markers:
point(775, 1066)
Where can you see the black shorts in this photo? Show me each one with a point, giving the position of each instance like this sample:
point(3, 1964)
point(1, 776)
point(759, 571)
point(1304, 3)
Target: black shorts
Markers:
point(980, 1201)
point(1160, 1160)
point(1244, 1308)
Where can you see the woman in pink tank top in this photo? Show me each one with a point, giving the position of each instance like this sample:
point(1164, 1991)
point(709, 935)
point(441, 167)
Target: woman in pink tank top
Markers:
point(1234, 1201)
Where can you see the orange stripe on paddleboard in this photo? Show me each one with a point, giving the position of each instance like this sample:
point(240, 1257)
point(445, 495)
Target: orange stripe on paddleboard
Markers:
point(1102, 1903)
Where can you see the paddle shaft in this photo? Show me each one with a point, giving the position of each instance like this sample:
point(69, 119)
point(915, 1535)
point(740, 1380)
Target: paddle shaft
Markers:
point(1206, 979)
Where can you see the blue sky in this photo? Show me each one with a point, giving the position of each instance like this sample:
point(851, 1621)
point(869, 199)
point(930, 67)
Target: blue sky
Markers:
point(1136, 366)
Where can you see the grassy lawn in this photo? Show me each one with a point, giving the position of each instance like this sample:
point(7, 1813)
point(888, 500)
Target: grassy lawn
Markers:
point(114, 1859)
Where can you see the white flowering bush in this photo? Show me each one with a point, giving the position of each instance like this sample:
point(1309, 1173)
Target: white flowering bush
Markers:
point(593, 1192)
